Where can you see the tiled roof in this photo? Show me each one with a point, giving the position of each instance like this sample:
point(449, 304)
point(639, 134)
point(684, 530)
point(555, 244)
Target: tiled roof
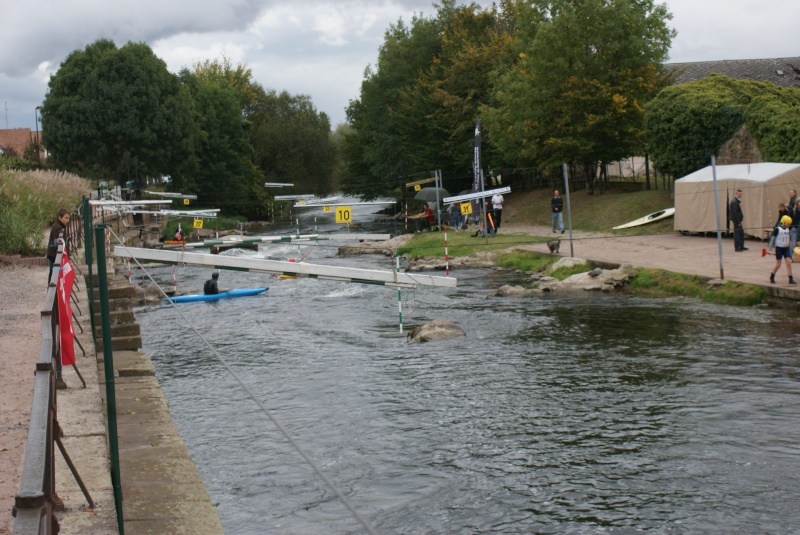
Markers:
point(16, 140)
point(780, 71)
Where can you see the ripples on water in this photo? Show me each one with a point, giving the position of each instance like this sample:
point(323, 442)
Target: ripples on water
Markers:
point(559, 414)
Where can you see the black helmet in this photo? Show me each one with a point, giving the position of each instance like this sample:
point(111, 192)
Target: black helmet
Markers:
point(215, 275)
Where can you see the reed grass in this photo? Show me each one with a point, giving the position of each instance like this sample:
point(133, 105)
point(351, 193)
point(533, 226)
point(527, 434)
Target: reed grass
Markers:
point(29, 201)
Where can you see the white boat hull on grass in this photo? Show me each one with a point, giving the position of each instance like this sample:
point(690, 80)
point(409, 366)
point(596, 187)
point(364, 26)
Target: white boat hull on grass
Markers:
point(651, 218)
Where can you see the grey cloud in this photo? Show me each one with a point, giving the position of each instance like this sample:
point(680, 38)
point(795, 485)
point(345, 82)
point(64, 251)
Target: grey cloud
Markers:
point(50, 32)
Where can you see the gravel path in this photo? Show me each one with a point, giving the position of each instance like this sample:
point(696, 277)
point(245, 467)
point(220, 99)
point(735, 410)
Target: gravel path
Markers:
point(22, 294)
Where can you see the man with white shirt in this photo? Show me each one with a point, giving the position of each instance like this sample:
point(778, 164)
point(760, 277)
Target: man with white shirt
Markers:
point(497, 210)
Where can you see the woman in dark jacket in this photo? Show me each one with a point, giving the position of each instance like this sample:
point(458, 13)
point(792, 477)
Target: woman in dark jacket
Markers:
point(58, 229)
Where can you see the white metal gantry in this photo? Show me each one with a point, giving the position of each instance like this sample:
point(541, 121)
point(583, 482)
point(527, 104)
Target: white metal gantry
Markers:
point(277, 267)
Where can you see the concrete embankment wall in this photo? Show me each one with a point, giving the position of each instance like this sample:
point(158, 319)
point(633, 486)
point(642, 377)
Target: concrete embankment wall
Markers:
point(162, 490)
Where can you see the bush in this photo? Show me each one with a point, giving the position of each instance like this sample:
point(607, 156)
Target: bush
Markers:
point(28, 203)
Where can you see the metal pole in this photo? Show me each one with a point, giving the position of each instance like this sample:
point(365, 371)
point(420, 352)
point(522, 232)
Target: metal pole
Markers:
point(399, 294)
point(108, 367)
point(716, 209)
point(483, 210)
point(88, 245)
point(569, 210)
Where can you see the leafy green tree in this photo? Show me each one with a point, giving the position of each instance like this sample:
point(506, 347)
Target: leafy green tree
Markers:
point(238, 78)
point(292, 142)
point(226, 176)
point(773, 117)
point(118, 113)
point(338, 139)
point(688, 123)
point(437, 112)
point(375, 150)
point(579, 81)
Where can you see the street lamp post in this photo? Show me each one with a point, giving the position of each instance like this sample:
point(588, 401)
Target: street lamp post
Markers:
point(36, 116)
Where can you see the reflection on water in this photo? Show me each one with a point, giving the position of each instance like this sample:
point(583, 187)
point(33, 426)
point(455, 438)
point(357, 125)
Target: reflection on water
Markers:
point(560, 414)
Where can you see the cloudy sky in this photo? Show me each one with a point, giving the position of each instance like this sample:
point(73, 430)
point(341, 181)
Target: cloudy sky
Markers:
point(312, 47)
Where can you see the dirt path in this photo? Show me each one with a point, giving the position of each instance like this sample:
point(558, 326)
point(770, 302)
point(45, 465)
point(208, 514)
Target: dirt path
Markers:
point(22, 294)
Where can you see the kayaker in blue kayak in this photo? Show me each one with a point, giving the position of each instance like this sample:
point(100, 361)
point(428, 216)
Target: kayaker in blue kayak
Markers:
point(210, 287)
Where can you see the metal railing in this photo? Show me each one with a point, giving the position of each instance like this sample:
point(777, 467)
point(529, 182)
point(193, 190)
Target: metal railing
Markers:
point(36, 502)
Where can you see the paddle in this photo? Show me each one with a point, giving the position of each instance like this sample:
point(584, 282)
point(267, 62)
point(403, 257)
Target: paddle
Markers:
point(764, 252)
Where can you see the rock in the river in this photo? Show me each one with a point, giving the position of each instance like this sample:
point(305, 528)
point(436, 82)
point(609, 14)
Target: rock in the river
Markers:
point(436, 330)
point(606, 280)
point(512, 291)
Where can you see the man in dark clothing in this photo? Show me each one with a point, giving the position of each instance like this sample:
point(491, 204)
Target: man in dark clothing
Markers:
point(557, 206)
point(210, 287)
point(58, 230)
point(791, 211)
point(736, 217)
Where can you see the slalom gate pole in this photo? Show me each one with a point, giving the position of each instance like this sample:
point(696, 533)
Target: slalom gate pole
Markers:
point(399, 295)
point(446, 257)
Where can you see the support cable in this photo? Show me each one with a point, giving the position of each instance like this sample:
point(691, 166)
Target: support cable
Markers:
point(348, 505)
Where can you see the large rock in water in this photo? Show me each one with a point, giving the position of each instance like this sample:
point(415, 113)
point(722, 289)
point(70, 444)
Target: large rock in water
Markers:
point(436, 330)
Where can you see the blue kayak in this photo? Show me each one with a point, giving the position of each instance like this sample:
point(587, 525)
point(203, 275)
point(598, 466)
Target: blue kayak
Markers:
point(236, 292)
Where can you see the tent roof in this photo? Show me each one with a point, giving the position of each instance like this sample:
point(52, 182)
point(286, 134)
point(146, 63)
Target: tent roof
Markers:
point(755, 172)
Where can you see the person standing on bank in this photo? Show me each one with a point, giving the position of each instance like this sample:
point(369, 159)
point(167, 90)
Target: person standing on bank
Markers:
point(454, 210)
point(794, 226)
point(211, 287)
point(557, 207)
point(497, 210)
point(791, 208)
point(736, 216)
point(58, 229)
point(782, 249)
point(782, 211)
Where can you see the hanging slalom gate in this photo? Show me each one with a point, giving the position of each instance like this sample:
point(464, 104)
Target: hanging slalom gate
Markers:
point(298, 269)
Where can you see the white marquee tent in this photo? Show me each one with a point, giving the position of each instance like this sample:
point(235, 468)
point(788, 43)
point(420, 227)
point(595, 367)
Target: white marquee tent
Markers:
point(763, 186)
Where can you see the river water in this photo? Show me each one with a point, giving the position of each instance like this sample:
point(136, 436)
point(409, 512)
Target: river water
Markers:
point(582, 413)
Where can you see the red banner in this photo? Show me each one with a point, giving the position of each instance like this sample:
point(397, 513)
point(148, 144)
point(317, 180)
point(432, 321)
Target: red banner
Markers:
point(66, 278)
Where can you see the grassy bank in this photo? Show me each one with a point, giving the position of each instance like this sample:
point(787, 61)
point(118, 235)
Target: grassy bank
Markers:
point(645, 282)
point(463, 243)
point(595, 213)
point(660, 283)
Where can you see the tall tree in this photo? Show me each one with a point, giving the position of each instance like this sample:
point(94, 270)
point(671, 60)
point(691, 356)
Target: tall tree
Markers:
point(437, 112)
point(226, 177)
point(118, 113)
point(578, 87)
point(375, 150)
point(292, 141)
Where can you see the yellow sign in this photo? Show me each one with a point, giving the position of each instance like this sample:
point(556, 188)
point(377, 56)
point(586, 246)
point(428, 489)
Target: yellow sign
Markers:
point(326, 209)
point(343, 214)
point(186, 202)
point(417, 187)
point(466, 208)
point(197, 223)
